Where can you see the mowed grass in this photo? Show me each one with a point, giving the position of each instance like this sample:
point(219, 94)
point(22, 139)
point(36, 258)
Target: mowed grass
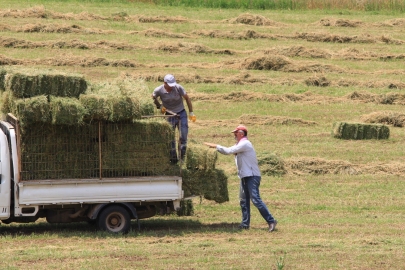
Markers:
point(325, 221)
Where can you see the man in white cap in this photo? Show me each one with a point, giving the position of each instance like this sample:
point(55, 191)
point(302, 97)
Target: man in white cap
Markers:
point(249, 173)
point(171, 94)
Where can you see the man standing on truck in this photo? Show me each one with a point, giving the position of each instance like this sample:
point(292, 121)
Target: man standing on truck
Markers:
point(249, 173)
point(171, 95)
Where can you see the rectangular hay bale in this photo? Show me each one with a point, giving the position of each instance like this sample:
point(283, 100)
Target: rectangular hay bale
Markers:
point(29, 83)
point(31, 110)
point(200, 157)
point(359, 131)
point(66, 111)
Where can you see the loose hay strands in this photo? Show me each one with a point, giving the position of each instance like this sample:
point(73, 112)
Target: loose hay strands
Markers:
point(358, 131)
point(385, 117)
point(66, 111)
point(26, 83)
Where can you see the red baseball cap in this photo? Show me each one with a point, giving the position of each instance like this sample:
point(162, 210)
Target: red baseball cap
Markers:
point(239, 128)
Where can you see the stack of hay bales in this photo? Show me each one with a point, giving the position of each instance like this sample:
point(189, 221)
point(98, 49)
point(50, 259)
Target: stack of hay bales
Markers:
point(59, 118)
point(359, 131)
point(201, 177)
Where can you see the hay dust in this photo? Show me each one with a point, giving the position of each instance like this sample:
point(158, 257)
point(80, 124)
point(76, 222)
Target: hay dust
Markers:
point(396, 119)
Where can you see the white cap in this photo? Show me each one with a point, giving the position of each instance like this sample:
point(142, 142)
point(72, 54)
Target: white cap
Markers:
point(169, 79)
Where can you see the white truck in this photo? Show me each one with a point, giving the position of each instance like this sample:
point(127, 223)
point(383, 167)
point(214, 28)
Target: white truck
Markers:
point(110, 203)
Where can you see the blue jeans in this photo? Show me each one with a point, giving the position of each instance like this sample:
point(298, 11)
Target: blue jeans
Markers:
point(249, 190)
point(184, 131)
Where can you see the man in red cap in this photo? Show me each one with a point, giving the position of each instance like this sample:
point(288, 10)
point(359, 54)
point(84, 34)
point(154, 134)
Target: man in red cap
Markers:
point(249, 173)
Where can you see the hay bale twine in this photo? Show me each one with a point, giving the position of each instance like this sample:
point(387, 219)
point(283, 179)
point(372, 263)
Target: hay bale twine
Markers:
point(385, 117)
point(66, 111)
point(28, 83)
point(359, 131)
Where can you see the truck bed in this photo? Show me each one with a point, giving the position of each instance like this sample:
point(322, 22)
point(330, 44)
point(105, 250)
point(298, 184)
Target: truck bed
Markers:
point(72, 191)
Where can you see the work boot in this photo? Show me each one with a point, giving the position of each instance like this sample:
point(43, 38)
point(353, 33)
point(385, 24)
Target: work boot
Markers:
point(272, 225)
point(243, 227)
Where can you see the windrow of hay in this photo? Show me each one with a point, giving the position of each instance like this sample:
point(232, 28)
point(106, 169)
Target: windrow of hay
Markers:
point(247, 34)
point(59, 28)
point(367, 97)
point(334, 38)
point(159, 33)
point(41, 12)
point(253, 119)
point(154, 19)
point(355, 23)
point(281, 63)
point(191, 48)
point(360, 131)
point(201, 177)
point(273, 165)
point(385, 117)
point(252, 19)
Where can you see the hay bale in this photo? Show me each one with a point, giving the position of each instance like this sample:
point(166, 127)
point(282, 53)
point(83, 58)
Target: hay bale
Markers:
point(120, 100)
point(137, 148)
point(187, 208)
point(27, 83)
point(271, 164)
point(358, 131)
point(31, 110)
point(385, 117)
point(66, 111)
point(212, 184)
point(200, 157)
point(3, 74)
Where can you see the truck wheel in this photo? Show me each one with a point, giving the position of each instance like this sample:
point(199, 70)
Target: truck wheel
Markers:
point(114, 219)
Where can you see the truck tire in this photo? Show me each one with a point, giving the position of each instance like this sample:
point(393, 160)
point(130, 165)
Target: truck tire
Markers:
point(114, 219)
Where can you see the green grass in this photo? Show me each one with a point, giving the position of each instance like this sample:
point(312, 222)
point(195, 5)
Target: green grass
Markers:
point(325, 221)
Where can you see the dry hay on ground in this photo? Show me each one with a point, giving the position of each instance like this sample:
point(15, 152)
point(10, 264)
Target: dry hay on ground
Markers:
point(191, 48)
point(247, 34)
point(41, 12)
point(159, 33)
point(396, 22)
point(385, 117)
point(367, 97)
point(60, 28)
point(253, 119)
point(298, 51)
point(317, 81)
point(339, 22)
point(334, 38)
point(252, 19)
point(153, 19)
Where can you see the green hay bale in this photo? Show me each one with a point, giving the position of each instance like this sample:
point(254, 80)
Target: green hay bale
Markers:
point(31, 110)
point(200, 157)
point(97, 107)
point(271, 164)
point(212, 184)
point(3, 74)
point(6, 101)
point(27, 83)
point(66, 111)
point(358, 131)
point(138, 148)
point(122, 99)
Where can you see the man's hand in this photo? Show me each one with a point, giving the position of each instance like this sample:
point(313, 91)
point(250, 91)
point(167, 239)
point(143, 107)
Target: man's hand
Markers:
point(211, 145)
point(192, 117)
point(162, 110)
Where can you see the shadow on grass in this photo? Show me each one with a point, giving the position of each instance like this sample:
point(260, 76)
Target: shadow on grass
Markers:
point(156, 227)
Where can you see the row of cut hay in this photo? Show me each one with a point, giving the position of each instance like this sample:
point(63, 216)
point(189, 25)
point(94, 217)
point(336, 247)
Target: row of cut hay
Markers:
point(200, 176)
point(385, 117)
point(140, 148)
point(359, 131)
point(271, 164)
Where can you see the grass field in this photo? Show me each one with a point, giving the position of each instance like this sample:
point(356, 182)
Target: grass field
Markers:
point(293, 73)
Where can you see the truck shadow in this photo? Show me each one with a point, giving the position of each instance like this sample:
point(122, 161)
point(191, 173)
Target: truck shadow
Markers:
point(149, 227)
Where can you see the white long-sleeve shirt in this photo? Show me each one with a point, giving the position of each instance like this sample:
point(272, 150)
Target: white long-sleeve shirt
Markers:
point(245, 158)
